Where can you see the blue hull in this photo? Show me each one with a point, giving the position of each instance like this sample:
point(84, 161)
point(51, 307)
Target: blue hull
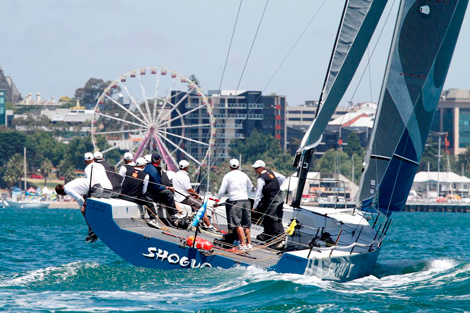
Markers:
point(167, 251)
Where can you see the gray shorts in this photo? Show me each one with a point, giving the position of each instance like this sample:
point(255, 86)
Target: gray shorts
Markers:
point(239, 213)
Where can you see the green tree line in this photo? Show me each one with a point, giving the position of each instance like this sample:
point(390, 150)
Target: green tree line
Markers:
point(43, 153)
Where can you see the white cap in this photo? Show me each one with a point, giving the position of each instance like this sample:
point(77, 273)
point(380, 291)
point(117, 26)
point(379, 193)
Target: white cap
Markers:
point(140, 161)
point(259, 163)
point(128, 156)
point(88, 156)
point(234, 163)
point(98, 155)
point(148, 158)
point(183, 164)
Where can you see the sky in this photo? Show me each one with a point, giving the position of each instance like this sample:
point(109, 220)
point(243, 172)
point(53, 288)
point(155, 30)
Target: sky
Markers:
point(53, 47)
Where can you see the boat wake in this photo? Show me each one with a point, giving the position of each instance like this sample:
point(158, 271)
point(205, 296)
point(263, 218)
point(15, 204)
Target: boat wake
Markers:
point(80, 286)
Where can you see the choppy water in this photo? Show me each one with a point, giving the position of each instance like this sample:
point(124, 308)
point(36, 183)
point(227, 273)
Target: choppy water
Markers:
point(46, 266)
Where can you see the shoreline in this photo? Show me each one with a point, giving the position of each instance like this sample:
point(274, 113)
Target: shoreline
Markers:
point(63, 205)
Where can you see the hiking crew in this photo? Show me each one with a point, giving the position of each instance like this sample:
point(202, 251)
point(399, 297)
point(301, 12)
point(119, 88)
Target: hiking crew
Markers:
point(134, 188)
point(113, 177)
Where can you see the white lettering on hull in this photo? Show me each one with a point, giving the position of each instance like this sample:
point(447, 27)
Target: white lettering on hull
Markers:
point(321, 269)
point(163, 255)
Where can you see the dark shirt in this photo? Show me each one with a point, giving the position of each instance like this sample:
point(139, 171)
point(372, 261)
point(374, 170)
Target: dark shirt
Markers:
point(155, 178)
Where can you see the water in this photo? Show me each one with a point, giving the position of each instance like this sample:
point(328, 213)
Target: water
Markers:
point(46, 266)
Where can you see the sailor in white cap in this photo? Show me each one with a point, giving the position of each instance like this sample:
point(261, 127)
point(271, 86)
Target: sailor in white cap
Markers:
point(184, 192)
point(269, 201)
point(238, 208)
point(128, 164)
point(96, 174)
point(113, 177)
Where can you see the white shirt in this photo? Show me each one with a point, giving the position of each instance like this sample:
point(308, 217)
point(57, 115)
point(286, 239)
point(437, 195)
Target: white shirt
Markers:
point(237, 184)
point(98, 176)
point(182, 184)
point(260, 184)
point(77, 188)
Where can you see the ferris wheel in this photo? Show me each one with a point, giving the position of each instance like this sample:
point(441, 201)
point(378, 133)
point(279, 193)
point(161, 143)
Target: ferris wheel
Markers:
point(153, 109)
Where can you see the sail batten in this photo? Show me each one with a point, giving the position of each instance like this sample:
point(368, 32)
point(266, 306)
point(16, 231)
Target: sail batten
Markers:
point(422, 48)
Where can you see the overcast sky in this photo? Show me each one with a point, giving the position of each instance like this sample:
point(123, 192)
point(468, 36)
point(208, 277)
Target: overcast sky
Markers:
point(54, 46)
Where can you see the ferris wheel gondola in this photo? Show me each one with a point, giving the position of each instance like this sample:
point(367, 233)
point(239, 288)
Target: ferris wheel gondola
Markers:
point(134, 115)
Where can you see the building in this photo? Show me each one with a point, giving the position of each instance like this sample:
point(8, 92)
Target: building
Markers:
point(3, 100)
point(358, 119)
point(237, 114)
point(430, 184)
point(11, 92)
point(453, 117)
point(29, 101)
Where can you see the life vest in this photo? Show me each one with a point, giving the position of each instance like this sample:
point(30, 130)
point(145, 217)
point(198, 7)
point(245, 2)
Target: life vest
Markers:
point(271, 187)
point(132, 185)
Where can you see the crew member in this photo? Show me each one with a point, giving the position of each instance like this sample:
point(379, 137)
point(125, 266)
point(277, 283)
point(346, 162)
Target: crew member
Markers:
point(134, 187)
point(184, 193)
point(156, 190)
point(238, 208)
point(113, 177)
point(128, 164)
point(269, 201)
point(78, 189)
point(96, 175)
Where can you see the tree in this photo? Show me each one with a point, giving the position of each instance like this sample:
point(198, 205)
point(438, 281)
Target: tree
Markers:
point(464, 159)
point(14, 170)
point(354, 145)
point(46, 169)
point(259, 146)
point(430, 155)
point(255, 146)
point(93, 88)
point(66, 170)
point(195, 80)
point(11, 142)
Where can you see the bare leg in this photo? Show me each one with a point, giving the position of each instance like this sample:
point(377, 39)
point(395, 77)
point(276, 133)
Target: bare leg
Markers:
point(241, 235)
point(247, 235)
point(82, 209)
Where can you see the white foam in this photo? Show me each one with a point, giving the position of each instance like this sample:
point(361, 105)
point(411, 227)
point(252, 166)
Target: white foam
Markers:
point(60, 272)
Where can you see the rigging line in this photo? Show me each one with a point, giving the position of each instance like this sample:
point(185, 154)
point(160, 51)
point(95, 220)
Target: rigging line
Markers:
point(230, 45)
point(370, 75)
point(294, 45)
point(251, 48)
point(277, 70)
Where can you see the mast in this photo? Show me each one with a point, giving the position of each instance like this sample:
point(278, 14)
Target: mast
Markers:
point(24, 167)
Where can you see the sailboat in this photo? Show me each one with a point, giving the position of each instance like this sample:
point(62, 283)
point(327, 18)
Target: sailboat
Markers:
point(330, 243)
point(33, 202)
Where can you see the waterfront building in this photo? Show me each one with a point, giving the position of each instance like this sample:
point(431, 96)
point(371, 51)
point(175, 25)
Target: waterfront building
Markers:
point(11, 92)
point(358, 119)
point(434, 184)
point(453, 117)
point(237, 114)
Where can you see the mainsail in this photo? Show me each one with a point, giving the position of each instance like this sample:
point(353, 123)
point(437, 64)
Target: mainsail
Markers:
point(359, 20)
point(425, 37)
